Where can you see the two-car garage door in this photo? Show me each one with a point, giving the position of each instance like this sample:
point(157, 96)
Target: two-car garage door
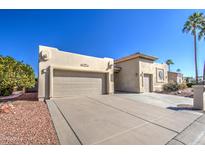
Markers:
point(66, 83)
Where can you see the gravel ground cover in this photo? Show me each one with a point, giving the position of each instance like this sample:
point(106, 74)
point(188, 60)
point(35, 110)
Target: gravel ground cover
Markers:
point(25, 96)
point(188, 92)
point(28, 122)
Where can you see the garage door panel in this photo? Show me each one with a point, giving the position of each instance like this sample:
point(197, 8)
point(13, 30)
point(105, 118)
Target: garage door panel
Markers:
point(61, 73)
point(68, 83)
point(77, 80)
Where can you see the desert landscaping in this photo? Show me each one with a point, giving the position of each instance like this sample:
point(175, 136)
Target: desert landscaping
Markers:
point(59, 95)
point(25, 120)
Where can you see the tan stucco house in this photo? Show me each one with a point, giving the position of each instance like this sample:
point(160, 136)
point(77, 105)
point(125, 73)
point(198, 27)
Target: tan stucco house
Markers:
point(139, 73)
point(62, 74)
point(175, 76)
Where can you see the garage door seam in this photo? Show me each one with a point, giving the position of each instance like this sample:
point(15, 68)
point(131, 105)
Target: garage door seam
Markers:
point(134, 115)
point(69, 124)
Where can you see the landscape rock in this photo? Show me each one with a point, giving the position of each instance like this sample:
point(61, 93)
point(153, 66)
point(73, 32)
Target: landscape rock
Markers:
point(26, 122)
point(6, 108)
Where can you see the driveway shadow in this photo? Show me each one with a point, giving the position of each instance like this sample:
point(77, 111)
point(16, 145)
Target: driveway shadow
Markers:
point(22, 97)
point(180, 107)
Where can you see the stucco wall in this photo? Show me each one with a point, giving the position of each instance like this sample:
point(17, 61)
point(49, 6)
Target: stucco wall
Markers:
point(177, 77)
point(145, 67)
point(199, 97)
point(158, 85)
point(149, 67)
point(130, 78)
point(127, 79)
point(69, 61)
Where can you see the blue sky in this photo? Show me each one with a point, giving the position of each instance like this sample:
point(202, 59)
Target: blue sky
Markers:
point(101, 33)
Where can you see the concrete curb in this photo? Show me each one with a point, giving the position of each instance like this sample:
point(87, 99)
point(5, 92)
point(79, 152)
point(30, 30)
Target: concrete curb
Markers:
point(65, 134)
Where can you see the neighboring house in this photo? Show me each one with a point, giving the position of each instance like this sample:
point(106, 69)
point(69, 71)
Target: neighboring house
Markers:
point(193, 80)
point(200, 79)
point(188, 79)
point(62, 74)
point(139, 73)
point(176, 77)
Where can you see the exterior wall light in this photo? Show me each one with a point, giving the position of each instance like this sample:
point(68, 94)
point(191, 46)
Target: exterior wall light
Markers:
point(45, 55)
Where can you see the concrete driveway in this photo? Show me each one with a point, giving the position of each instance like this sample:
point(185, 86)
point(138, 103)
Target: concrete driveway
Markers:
point(123, 119)
point(161, 100)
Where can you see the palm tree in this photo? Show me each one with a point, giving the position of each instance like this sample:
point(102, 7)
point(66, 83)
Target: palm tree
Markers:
point(194, 24)
point(202, 32)
point(202, 35)
point(169, 62)
point(178, 70)
point(204, 73)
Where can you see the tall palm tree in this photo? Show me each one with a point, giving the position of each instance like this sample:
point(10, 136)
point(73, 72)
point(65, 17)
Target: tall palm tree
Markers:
point(202, 35)
point(204, 73)
point(169, 62)
point(194, 24)
point(202, 32)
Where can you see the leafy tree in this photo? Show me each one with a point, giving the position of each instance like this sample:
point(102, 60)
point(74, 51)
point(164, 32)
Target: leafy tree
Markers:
point(195, 25)
point(169, 62)
point(14, 74)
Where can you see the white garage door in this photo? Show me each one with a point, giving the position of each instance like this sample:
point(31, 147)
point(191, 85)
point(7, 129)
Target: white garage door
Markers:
point(66, 83)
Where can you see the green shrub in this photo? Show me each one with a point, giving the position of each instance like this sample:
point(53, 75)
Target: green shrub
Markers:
point(6, 92)
point(189, 85)
point(174, 86)
point(182, 86)
point(171, 86)
point(14, 74)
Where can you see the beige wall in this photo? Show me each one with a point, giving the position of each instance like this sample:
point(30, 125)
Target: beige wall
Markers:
point(131, 76)
point(158, 85)
point(177, 77)
point(149, 67)
point(199, 97)
point(52, 58)
point(127, 79)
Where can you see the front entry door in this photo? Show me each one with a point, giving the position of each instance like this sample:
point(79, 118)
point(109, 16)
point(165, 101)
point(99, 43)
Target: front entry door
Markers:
point(147, 82)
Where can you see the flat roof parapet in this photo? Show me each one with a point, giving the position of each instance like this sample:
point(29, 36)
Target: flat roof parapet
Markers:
point(135, 56)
